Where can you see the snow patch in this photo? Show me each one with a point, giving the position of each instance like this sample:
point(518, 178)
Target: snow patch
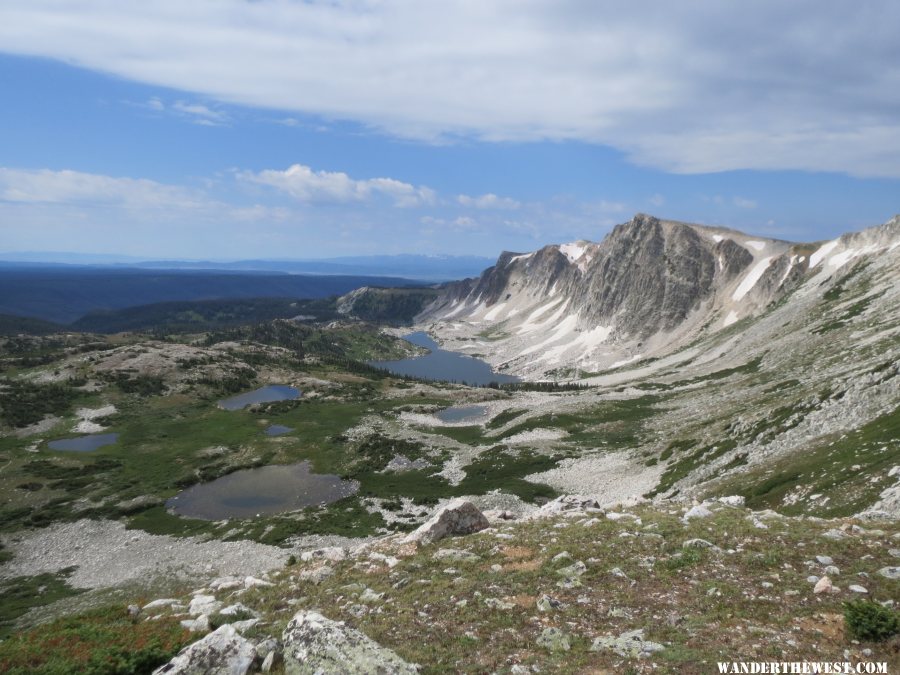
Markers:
point(573, 251)
point(755, 245)
point(524, 256)
point(751, 279)
point(730, 319)
point(490, 316)
point(625, 362)
point(717, 238)
point(822, 253)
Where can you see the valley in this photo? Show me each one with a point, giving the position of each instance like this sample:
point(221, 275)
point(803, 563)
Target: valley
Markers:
point(668, 365)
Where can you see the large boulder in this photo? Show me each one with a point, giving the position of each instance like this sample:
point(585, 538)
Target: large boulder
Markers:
point(222, 652)
point(456, 517)
point(315, 644)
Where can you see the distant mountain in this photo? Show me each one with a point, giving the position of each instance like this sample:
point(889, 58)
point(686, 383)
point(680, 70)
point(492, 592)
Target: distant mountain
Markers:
point(649, 288)
point(64, 293)
point(432, 268)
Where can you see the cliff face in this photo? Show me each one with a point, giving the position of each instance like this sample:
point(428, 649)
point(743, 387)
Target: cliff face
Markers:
point(650, 286)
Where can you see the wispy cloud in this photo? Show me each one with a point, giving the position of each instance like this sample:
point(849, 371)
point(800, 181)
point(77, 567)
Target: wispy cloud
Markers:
point(743, 203)
point(307, 185)
point(75, 187)
point(488, 201)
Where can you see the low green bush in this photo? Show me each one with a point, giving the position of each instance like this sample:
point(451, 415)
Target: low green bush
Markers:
point(867, 620)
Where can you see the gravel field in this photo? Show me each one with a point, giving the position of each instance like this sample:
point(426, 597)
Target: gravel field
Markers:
point(106, 554)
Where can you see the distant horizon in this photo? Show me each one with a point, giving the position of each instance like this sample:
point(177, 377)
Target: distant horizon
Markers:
point(114, 258)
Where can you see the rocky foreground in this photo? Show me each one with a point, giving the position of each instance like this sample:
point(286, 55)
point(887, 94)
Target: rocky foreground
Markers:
point(570, 588)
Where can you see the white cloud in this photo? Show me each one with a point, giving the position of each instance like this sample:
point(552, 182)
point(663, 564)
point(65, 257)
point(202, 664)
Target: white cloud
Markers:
point(488, 201)
point(657, 200)
point(465, 223)
point(307, 185)
point(200, 114)
point(74, 187)
point(685, 87)
point(743, 203)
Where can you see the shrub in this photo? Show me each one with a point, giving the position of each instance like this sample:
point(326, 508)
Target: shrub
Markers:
point(867, 620)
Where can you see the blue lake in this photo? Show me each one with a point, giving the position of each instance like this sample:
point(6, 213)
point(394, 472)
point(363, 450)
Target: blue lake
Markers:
point(268, 394)
point(83, 443)
point(444, 365)
point(277, 430)
point(463, 413)
point(266, 490)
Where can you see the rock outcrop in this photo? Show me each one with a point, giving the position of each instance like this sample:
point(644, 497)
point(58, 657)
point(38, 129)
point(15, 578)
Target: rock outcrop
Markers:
point(222, 652)
point(315, 644)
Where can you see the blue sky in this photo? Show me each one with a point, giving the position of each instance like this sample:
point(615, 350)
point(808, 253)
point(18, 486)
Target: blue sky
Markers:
point(232, 129)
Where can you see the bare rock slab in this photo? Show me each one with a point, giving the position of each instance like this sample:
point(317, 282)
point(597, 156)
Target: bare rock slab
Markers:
point(222, 652)
point(316, 645)
point(457, 517)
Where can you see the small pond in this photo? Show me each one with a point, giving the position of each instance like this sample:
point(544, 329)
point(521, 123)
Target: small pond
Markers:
point(277, 430)
point(83, 443)
point(268, 489)
point(268, 394)
point(441, 364)
point(462, 413)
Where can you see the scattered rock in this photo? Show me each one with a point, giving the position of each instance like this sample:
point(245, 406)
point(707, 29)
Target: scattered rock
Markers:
point(369, 595)
point(238, 609)
point(700, 543)
point(570, 503)
point(204, 604)
point(823, 585)
point(554, 640)
point(856, 588)
point(315, 644)
point(834, 534)
point(547, 603)
point(455, 554)
point(253, 582)
point(457, 517)
point(198, 625)
point(330, 553)
point(495, 603)
point(890, 572)
point(832, 571)
point(161, 603)
point(698, 511)
point(133, 611)
point(221, 652)
point(824, 560)
point(732, 500)
point(317, 575)
point(631, 643)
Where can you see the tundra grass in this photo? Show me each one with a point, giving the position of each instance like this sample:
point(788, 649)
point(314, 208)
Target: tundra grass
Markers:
point(748, 600)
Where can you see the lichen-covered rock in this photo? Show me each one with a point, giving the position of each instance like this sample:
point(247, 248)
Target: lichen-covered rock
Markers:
point(315, 644)
point(457, 517)
point(554, 640)
point(222, 652)
point(631, 643)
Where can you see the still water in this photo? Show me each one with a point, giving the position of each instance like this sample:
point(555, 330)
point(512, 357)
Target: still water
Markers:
point(83, 443)
point(273, 392)
point(268, 489)
point(441, 364)
point(463, 413)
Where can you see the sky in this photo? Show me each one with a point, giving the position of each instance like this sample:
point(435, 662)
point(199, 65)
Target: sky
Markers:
point(230, 129)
